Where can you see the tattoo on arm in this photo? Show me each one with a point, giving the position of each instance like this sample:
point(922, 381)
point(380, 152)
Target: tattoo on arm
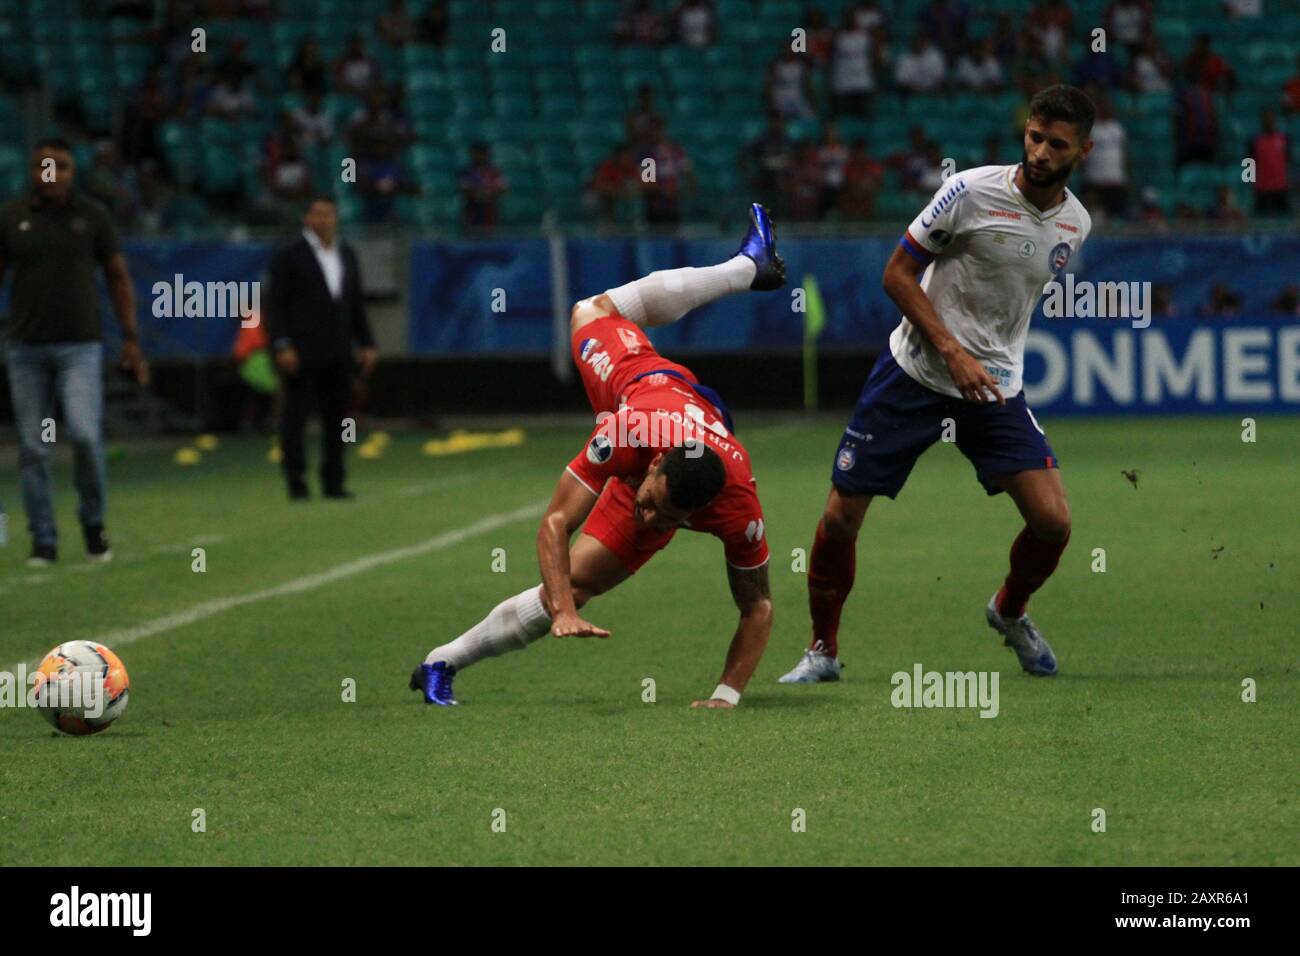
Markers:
point(748, 587)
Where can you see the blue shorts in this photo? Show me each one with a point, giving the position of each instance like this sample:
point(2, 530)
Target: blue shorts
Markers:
point(897, 418)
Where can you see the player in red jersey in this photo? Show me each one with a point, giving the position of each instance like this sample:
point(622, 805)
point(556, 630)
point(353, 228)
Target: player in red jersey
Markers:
point(663, 456)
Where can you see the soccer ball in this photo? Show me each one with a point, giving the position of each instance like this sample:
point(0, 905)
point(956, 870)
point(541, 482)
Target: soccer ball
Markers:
point(82, 687)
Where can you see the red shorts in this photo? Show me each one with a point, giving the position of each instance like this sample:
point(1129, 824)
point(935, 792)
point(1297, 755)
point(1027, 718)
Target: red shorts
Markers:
point(610, 352)
point(613, 523)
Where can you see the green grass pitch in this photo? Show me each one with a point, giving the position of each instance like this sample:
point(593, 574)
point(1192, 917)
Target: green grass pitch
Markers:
point(238, 710)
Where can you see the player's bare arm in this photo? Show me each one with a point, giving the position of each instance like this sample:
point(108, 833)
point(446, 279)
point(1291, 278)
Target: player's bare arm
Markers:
point(122, 293)
point(569, 507)
point(900, 282)
point(753, 596)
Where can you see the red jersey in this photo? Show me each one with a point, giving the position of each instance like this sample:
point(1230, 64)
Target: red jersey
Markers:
point(658, 413)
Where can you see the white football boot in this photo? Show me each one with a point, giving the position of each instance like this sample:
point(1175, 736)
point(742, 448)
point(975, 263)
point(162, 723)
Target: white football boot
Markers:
point(1023, 637)
point(815, 667)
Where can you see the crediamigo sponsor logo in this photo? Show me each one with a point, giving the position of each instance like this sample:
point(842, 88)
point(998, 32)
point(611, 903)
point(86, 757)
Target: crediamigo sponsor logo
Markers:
point(661, 428)
point(922, 688)
point(70, 689)
point(78, 909)
point(180, 299)
point(1067, 297)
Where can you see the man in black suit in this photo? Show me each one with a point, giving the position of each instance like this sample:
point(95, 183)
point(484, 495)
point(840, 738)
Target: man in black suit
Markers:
point(314, 314)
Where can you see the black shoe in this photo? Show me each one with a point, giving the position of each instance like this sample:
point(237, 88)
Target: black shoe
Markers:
point(42, 556)
point(97, 548)
point(417, 679)
point(298, 491)
point(339, 494)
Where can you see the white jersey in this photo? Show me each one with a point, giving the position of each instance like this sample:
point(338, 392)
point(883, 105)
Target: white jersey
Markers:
point(991, 252)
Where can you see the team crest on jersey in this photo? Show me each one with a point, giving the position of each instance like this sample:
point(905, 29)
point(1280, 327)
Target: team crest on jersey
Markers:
point(1027, 249)
point(599, 450)
point(1060, 257)
point(846, 459)
point(940, 237)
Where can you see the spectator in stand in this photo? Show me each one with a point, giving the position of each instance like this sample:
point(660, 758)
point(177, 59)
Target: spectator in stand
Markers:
point(643, 121)
point(277, 140)
point(1101, 70)
point(382, 179)
point(852, 70)
point(481, 184)
point(788, 85)
point(1028, 64)
point(674, 176)
point(379, 120)
point(153, 212)
point(766, 162)
point(395, 26)
point(1271, 150)
point(640, 23)
point(1184, 211)
point(236, 66)
point(111, 183)
point(922, 69)
point(307, 72)
point(233, 98)
point(1287, 301)
point(1196, 124)
point(313, 123)
point(1225, 208)
point(1291, 92)
point(944, 22)
point(1106, 173)
point(1152, 214)
point(978, 67)
point(821, 38)
point(356, 71)
point(805, 185)
point(1162, 302)
point(1205, 66)
point(288, 181)
point(614, 183)
point(1243, 9)
point(932, 173)
point(994, 154)
point(145, 113)
point(434, 24)
point(1050, 22)
point(911, 163)
point(869, 16)
point(695, 23)
point(1151, 70)
point(863, 177)
point(1128, 24)
point(193, 89)
point(833, 156)
point(1223, 303)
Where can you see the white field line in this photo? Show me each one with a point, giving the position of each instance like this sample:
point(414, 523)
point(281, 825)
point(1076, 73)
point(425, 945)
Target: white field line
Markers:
point(310, 582)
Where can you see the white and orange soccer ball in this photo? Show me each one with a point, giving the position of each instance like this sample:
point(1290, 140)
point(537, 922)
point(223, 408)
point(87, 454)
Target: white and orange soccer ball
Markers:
point(82, 687)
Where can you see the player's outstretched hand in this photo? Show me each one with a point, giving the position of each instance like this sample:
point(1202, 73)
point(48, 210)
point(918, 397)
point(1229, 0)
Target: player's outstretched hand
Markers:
point(570, 625)
point(972, 379)
point(714, 704)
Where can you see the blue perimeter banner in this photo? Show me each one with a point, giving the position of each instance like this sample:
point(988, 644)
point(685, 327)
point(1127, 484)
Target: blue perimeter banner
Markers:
point(1175, 366)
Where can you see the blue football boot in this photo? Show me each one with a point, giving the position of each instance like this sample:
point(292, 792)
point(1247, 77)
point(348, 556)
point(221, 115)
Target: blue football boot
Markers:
point(1023, 637)
point(760, 245)
point(435, 681)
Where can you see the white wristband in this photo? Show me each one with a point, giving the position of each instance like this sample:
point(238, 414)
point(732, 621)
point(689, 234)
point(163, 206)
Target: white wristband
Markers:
point(729, 694)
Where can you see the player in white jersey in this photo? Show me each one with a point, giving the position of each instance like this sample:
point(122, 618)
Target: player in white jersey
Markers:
point(983, 248)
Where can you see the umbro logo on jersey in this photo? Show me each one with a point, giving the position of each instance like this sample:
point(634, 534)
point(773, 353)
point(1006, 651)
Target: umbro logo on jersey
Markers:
point(754, 531)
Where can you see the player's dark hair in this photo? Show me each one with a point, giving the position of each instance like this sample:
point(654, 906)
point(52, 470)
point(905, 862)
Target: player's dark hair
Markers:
point(54, 142)
point(1068, 104)
point(314, 198)
point(695, 475)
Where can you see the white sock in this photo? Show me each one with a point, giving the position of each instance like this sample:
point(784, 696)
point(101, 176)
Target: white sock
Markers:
point(510, 626)
point(667, 295)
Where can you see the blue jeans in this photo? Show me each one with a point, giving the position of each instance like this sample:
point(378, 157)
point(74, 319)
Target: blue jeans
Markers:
point(74, 371)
